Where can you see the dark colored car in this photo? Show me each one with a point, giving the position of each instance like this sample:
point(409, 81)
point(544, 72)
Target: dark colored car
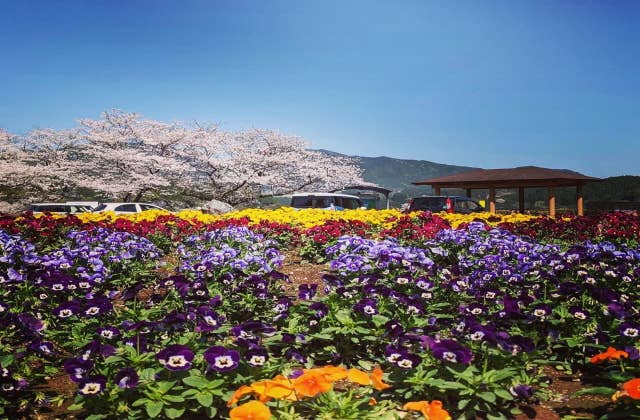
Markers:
point(448, 203)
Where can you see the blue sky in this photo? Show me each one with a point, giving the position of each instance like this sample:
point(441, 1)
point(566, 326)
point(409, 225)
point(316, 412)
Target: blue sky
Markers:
point(490, 84)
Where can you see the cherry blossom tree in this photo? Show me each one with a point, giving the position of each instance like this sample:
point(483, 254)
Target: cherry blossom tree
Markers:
point(241, 166)
point(39, 164)
point(130, 156)
point(127, 157)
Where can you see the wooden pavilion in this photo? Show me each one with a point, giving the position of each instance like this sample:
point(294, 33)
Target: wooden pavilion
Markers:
point(520, 178)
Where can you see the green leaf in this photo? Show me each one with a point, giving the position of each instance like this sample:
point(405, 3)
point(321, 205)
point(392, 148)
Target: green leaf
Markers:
point(7, 360)
point(322, 336)
point(505, 395)
point(503, 374)
point(173, 398)
point(620, 376)
point(365, 365)
point(165, 386)
point(597, 390)
point(487, 396)
point(462, 404)
point(96, 417)
point(148, 374)
point(379, 320)
point(205, 400)
point(140, 402)
point(496, 416)
point(196, 381)
point(189, 392)
point(174, 413)
point(113, 359)
point(344, 316)
point(75, 407)
point(153, 408)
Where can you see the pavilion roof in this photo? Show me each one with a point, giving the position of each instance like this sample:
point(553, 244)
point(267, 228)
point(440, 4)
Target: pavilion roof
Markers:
point(524, 176)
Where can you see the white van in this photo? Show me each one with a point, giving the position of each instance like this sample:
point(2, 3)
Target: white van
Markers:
point(326, 201)
point(126, 208)
point(58, 208)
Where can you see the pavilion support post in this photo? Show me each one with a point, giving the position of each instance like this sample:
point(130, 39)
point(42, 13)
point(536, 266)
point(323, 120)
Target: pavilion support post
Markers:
point(552, 203)
point(492, 200)
point(521, 199)
point(436, 190)
point(469, 192)
point(579, 200)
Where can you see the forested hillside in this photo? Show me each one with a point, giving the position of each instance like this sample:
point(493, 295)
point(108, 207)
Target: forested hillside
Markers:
point(398, 174)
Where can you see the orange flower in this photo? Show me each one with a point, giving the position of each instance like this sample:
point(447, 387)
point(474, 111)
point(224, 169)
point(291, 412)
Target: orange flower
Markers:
point(359, 377)
point(632, 388)
point(610, 354)
point(311, 383)
point(243, 390)
point(253, 410)
point(331, 373)
point(279, 388)
point(376, 379)
point(431, 411)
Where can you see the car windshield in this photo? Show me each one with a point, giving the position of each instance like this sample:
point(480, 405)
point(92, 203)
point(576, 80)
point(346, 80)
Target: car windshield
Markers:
point(100, 207)
point(428, 203)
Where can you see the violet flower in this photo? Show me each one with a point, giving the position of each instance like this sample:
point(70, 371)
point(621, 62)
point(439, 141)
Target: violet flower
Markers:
point(176, 357)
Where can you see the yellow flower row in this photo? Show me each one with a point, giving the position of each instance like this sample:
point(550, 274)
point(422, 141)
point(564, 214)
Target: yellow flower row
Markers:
point(456, 219)
point(308, 217)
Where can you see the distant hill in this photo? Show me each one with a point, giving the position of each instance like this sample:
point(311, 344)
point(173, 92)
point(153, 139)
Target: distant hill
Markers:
point(398, 174)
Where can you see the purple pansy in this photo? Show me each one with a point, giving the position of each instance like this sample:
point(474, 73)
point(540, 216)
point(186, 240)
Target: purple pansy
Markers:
point(175, 357)
point(450, 351)
point(42, 347)
point(366, 307)
point(77, 368)
point(108, 332)
point(295, 355)
point(321, 309)
point(127, 378)
point(521, 392)
point(92, 385)
point(307, 291)
point(407, 360)
point(579, 313)
point(256, 357)
point(221, 359)
point(67, 309)
point(31, 323)
point(629, 329)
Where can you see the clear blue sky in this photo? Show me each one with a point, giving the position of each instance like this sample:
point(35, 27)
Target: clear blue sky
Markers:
point(487, 83)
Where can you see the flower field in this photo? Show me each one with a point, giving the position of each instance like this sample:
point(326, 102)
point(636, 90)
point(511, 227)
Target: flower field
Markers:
point(189, 315)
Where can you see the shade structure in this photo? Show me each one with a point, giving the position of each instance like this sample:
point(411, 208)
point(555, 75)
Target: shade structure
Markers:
point(520, 178)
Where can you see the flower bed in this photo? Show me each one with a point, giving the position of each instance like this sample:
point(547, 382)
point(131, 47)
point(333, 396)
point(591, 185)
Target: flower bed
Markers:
point(165, 317)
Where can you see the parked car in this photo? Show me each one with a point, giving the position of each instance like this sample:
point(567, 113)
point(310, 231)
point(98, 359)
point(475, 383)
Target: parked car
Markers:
point(448, 203)
point(327, 201)
point(123, 208)
point(90, 204)
point(58, 208)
